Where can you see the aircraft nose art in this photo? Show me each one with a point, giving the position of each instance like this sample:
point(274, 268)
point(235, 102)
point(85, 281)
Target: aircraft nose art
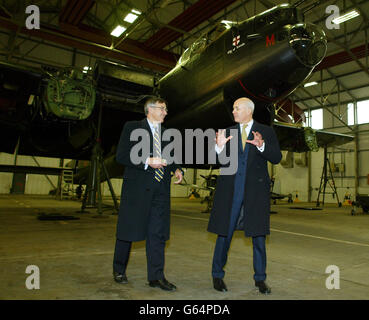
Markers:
point(309, 43)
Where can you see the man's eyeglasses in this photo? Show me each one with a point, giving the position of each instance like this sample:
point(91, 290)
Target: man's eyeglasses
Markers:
point(161, 108)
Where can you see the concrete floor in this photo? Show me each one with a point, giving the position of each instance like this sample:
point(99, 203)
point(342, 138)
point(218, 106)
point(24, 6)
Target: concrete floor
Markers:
point(75, 256)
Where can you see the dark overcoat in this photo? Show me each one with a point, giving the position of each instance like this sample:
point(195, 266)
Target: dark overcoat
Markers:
point(256, 200)
point(137, 187)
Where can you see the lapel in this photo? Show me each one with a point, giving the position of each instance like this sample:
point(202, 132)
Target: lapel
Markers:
point(252, 148)
point(240, 148)
point(145, 125)
point(237, 127)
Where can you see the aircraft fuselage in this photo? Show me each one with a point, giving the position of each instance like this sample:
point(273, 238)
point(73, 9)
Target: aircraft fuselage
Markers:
point(264, 58)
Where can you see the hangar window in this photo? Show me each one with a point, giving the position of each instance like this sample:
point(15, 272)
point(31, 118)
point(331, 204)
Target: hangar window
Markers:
point(363, 112)
point(317, 119)
point(350, 114)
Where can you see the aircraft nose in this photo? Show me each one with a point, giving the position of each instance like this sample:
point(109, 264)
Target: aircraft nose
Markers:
point(309, 43)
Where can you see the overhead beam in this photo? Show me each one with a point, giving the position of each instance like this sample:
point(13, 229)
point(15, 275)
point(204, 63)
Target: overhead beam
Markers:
point(267, 4)
point(95, 42)
point(193, 16)
point(342, 75)
point(75, 11)
point(341, 57)
point(352, 55)
point(342, 85)
point(322, 104)
point(335, 92)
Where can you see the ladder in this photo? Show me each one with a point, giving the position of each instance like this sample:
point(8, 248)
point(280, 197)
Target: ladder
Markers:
point(66, 184)
point(327, 177)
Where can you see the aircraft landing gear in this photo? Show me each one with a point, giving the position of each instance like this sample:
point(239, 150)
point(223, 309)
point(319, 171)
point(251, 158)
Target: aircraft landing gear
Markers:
point(93, 187)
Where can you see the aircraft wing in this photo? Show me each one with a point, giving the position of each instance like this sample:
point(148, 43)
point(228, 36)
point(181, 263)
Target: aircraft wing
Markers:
point(302, 139)
point(332, 139)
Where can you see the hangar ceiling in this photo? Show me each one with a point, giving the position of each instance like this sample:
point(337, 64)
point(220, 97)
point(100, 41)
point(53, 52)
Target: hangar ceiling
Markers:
point(165, 28)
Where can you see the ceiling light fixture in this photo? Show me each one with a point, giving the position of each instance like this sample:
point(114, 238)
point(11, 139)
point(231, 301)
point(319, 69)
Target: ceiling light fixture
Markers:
point(130, 17)
point(86, 69)
point(346, 16)
point(118, 31)
point(136, 11)
point(228, 24)
point(309, 84)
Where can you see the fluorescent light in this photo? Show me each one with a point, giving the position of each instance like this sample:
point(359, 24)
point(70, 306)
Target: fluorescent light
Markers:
point(118, 31)
point(130, 17)
point(136, 11)
point(309, 84)
point(228, 24)
point(86, 69)
point(346, 16)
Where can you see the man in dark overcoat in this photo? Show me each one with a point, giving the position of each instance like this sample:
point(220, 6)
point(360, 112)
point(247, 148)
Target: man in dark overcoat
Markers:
point(242, 200)
point(144, 212)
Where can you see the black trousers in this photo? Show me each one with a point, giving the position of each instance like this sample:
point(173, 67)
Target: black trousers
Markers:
point(155, 241)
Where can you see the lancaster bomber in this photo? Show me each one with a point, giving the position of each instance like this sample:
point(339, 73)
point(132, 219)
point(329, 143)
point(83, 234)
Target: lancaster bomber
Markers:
point(64, 113)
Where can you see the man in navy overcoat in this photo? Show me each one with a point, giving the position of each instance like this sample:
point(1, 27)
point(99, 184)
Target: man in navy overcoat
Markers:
point(242, 200)
point(144, 212)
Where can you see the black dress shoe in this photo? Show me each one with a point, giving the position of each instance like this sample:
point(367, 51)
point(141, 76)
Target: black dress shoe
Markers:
point(163, 284)
point(263, 287)
point(120, 278)
point(219, 284)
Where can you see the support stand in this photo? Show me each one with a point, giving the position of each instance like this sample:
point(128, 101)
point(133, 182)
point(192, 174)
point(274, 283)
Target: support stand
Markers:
point(93, 186)
point(325, 178)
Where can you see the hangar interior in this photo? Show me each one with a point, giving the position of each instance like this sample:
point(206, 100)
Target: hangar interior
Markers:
point(334, 98)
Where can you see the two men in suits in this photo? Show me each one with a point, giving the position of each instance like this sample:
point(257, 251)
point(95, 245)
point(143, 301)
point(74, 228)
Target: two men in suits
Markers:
point(144, 212)
point(242, 200)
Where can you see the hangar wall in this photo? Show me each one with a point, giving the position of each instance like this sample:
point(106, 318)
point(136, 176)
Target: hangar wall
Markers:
point(346, 154)
point(37, 184)
point(295, 180)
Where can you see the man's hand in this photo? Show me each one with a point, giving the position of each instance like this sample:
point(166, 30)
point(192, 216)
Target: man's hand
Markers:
point(179, 176)
point(157, 163)
point(220, 139)
point(258, 139)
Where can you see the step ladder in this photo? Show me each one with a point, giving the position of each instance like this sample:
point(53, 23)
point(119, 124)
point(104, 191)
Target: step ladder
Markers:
point(67, 184)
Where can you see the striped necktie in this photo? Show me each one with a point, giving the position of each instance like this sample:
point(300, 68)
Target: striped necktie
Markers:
point(159, 172)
